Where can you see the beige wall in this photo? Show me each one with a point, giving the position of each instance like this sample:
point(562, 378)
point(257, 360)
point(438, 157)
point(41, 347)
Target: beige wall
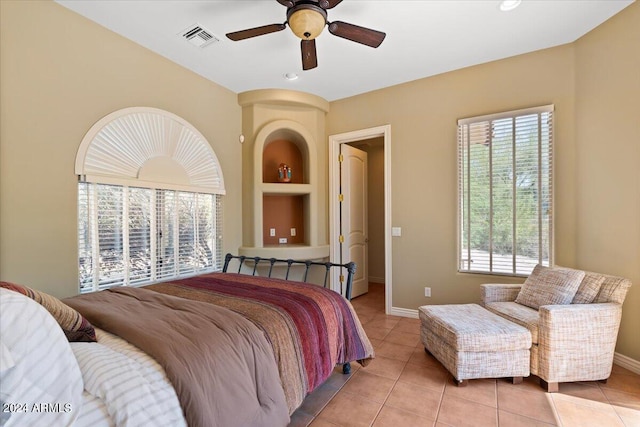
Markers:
point(423, 116)
point(594, 85)
point(607, 132)
point(60, 73)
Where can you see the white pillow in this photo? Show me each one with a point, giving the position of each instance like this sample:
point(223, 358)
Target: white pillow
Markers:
point(40, 381)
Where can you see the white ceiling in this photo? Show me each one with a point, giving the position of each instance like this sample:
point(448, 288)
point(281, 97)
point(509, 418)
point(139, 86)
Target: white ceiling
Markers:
point(424, 38)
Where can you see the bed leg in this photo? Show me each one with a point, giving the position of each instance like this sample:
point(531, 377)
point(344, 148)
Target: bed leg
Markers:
point(346, 368)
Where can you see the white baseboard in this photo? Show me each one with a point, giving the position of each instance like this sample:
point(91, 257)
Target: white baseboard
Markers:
point(373, 279)
point(626, 362)
point(404, 312)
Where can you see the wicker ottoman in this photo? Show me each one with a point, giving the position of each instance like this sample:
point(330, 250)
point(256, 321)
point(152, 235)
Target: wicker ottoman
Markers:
point(472, 342)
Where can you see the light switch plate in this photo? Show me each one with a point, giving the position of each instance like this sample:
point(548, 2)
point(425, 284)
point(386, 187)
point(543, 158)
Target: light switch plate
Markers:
point(396, 231)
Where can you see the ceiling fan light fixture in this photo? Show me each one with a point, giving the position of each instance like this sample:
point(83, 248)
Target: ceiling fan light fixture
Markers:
point(307, 21)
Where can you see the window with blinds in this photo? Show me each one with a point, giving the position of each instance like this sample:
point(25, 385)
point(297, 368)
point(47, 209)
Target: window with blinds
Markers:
point(505, 193)
point(134, 236)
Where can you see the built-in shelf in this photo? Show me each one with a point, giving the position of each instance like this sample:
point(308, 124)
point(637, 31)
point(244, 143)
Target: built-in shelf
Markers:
point(283, 135)
point(286, 189)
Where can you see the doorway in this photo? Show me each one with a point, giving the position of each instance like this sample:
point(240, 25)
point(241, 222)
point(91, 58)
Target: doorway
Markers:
point(376, 142)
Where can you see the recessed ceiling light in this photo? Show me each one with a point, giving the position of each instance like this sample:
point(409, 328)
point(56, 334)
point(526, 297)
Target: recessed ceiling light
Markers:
point(291, 76)
point(508, 5)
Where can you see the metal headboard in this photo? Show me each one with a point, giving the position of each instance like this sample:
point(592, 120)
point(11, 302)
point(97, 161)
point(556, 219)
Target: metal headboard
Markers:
point(350, 266)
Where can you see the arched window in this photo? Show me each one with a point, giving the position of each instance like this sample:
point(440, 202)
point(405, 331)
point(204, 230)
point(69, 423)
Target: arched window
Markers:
point(149, 201)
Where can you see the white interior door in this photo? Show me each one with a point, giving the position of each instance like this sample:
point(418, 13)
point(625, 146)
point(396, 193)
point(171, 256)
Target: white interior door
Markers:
point(354, 222)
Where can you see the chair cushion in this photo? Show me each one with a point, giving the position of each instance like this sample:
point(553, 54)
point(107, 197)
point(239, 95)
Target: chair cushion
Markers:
point(549, 286)
point(589, 288)
point(518, 314)
point(613, 289)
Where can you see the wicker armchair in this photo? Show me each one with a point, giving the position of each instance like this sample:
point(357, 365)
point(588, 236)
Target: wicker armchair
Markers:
point(571, 342)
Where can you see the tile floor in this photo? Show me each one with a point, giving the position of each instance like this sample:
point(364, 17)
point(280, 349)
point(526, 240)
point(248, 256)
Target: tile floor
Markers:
point(403, 387)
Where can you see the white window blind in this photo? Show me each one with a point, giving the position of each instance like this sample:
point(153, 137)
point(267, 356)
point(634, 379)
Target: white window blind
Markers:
point(505, 191)
point(134, 236)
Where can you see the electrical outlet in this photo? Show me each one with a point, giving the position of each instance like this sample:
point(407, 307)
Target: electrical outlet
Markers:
point(293, 232)
point(272, 232)
point(427, 292)
point(282, 240)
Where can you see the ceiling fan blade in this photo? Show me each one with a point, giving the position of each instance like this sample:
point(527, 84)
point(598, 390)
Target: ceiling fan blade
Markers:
point(328, 4)
point(286, 3)
point(309, 58)
point(356, 33)
point(254, 32)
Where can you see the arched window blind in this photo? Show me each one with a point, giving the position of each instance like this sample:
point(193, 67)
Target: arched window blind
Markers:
point(149, 201)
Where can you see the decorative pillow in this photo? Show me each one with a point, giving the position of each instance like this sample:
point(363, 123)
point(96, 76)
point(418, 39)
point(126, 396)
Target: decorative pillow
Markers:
point(589, 288)
point(39, 374)
point(75, 327)
point(549, 286)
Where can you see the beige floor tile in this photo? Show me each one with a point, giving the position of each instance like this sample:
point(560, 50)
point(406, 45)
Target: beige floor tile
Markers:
point(580, 390)
point(625, 383)
point(418, 400)
point(375, 342)
point(507, 419)
point(385, 367)
point(383, 321)
point(410, 320)
point(365, 318)
point(630, 417)
point(617, 369)
point(350, 410)
point(370, 386)
point(424, 376)
point(572, 413)
point(394, 417)
point(462, 413)
point(375, 332)
point(479, 391)
point(404, 338)
point(394, 351)
point(619, 398)
point(421, 357)
point(537, 405)
point(411, 328)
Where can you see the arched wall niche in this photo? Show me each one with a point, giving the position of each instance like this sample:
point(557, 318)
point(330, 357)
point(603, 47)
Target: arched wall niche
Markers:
point(293, 132)
point(149, 147)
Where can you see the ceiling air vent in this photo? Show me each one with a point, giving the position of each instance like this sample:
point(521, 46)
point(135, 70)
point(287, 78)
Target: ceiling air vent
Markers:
point(198, 36)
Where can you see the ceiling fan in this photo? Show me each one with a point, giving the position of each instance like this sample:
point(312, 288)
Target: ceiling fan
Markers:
point(307, 19)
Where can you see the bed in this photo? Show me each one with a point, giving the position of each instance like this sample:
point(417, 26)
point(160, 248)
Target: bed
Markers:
point(220, 349)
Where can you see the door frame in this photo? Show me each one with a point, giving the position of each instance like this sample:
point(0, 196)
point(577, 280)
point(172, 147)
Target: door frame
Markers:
point(334, 205)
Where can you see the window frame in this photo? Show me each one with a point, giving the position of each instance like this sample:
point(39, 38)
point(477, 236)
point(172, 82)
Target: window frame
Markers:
point(545, 141)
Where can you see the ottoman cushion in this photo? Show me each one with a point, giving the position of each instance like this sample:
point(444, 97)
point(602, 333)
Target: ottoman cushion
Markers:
point(469, 327)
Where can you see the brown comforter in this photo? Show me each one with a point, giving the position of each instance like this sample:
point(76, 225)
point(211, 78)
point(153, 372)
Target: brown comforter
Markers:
point(220, 364)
